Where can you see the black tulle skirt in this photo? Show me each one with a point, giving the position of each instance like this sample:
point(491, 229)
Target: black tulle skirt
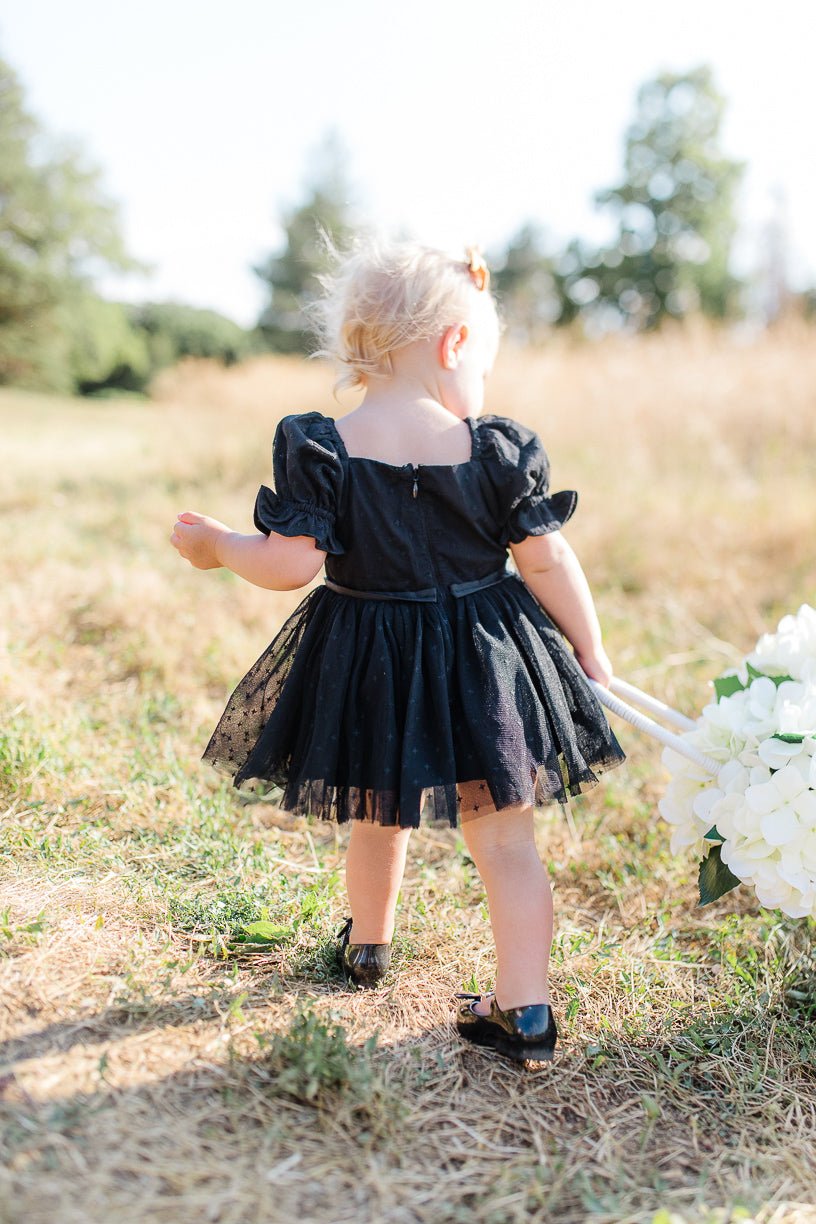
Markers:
point(388, 710)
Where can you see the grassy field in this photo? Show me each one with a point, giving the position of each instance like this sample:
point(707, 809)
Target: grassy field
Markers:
point(158, 1066)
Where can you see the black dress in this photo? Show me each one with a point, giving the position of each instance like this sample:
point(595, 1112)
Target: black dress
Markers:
point(423, 669)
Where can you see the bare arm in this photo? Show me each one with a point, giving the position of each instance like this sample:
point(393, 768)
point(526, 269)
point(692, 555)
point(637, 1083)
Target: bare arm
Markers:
point(279, 563)
point(553, 573)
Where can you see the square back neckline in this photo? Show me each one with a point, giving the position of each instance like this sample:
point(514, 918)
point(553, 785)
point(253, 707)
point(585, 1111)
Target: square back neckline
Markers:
point(400, 467)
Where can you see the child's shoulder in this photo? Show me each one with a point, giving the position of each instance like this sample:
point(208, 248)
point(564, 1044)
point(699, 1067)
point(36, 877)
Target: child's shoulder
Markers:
point(501, 439)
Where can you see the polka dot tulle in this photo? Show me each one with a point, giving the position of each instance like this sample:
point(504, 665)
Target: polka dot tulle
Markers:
point(386, 711)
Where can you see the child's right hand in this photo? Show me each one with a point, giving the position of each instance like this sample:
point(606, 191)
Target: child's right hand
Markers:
point(596, 665)
point(195, 537)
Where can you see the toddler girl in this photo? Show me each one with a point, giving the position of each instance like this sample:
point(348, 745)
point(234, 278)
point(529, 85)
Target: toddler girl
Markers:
point(424, 676)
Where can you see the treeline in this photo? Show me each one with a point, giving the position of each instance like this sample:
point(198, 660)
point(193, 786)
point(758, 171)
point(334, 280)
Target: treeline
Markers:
point(116, 347)
point(674, 213)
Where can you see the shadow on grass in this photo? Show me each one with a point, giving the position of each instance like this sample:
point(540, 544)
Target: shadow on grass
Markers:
point(715, 1115)
point(307, 968)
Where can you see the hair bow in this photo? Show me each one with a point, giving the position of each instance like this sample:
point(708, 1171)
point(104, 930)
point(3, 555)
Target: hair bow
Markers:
point(477, 268)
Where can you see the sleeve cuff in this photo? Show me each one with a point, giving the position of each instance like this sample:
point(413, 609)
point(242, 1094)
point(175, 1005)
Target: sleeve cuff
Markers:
point(541, 515)
point(291, 518)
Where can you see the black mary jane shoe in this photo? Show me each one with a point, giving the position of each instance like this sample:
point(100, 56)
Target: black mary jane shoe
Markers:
point(363, 964)
point(518, 1033)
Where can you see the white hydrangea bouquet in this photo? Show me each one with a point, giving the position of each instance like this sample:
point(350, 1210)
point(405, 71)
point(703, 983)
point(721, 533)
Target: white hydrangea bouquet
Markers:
point(742, 793)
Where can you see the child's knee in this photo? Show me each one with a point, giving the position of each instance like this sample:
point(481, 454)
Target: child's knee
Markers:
point(499, 832)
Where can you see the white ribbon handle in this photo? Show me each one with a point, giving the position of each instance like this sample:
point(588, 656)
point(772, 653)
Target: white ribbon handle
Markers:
point(675, 719)
point(643, 723)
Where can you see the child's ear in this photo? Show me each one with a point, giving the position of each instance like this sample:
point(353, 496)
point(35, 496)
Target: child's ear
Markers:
point(451, 345)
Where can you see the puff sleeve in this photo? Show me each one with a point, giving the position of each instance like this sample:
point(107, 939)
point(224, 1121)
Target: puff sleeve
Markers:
point(528, 507)
point(308, 477)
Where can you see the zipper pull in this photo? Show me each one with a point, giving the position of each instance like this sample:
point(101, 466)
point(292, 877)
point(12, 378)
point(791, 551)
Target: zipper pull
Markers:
point(416, 479)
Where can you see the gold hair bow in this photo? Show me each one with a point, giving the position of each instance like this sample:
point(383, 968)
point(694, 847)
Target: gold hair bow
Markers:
point(477, 268)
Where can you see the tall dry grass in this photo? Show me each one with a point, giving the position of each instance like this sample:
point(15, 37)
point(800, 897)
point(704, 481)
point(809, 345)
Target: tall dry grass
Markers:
point(150, 1066)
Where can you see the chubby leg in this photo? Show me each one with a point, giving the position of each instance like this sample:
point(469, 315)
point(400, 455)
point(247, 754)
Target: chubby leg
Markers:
point(519, 897)
point(375, 863)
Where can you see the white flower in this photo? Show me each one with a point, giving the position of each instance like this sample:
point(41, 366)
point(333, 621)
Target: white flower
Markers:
point(788, 651)
point(762, 802)
point(796, 709)
point(776, 753)
point(769, 829)
point(678, 807)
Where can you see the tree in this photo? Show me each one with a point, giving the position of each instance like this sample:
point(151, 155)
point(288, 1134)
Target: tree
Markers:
point(118, 347)
point(528, 286)
point(105, 351)
point(174, 330)
point(675, 211)
point(291, 275)
point(57, 230)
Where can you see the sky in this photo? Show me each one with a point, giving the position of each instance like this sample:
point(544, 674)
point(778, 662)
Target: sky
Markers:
point(461, 121)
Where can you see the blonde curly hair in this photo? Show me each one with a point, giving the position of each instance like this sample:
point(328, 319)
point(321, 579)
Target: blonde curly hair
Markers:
point(383, 295)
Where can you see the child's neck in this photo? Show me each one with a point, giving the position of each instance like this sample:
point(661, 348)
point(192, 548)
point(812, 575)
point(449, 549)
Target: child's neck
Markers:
point(401, 397)
point(413, 388)
point(400, 421)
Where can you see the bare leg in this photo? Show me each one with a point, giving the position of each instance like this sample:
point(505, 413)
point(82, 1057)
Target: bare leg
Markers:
point(375, 863)
point(519, 897)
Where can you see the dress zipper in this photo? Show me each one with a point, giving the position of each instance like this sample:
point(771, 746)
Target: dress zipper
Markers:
point(432, 560)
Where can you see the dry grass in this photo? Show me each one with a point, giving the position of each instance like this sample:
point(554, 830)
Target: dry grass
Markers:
point(146, 1066)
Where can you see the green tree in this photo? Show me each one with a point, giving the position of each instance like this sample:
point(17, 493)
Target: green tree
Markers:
point(174, 330)
point(528, 285)
point(117, 347)
point(57, 231)
point(291, 274)
point(675, 211)
point(105, 353)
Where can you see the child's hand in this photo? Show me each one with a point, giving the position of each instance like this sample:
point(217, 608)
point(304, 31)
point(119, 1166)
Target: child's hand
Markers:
point(596, 665)
point(195, 537)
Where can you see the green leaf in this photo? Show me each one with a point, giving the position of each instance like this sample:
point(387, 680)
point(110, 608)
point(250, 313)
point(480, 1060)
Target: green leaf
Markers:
point(713, 835)
point(754, 674)
point(789, 738)
point(262, 932)
point(726, 686)
point(309, 905)
point(716, 878)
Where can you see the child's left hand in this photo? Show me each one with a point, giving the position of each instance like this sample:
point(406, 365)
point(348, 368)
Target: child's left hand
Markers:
point(195, 537)
point(595, 664)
